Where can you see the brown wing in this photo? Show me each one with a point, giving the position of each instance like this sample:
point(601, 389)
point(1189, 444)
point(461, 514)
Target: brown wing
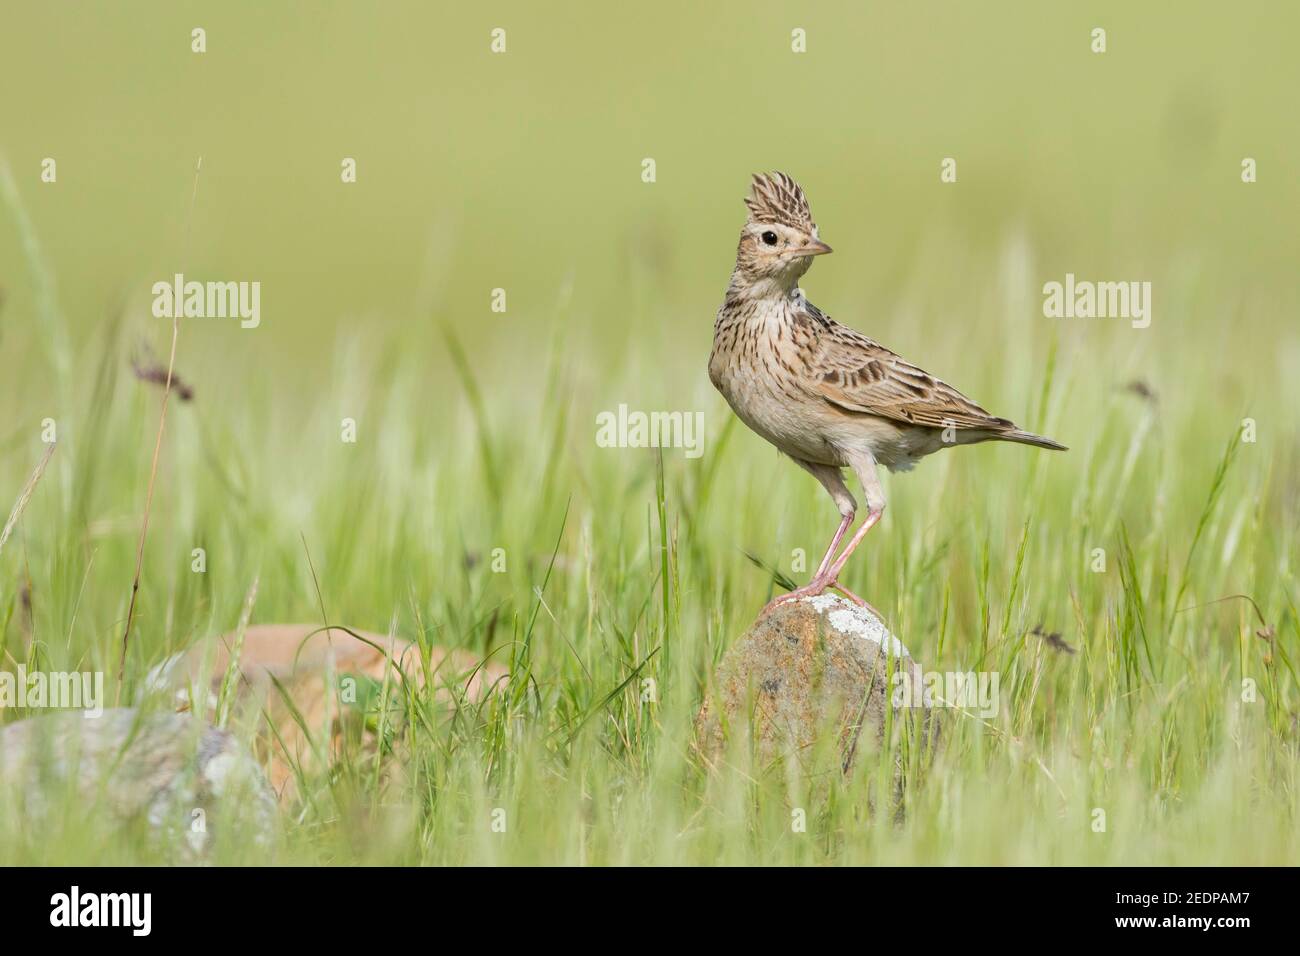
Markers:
point(857, 375)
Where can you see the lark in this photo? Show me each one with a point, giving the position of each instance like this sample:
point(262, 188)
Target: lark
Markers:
point(828, 397)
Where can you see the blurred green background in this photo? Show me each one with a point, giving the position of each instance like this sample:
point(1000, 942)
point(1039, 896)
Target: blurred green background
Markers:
point(522, 170)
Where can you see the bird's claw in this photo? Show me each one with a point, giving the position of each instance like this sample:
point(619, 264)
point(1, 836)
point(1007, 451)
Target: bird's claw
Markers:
point(818, 585)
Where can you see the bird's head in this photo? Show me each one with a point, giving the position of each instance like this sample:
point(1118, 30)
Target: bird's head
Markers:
point(779, 239)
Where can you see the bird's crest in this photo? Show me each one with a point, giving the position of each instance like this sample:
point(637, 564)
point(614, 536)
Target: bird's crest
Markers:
point(775, 197)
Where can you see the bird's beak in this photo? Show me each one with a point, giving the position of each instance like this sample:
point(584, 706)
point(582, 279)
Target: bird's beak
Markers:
point(815, 247)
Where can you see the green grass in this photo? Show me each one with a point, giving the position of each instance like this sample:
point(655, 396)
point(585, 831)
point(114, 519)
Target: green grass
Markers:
point(477, 431)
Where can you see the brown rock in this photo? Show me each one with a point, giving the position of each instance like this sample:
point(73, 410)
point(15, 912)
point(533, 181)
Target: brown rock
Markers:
point(807, 681)
point(291, 652)
point(313, 666)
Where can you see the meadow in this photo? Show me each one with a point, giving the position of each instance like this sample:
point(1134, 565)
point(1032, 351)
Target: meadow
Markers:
point(476, 509)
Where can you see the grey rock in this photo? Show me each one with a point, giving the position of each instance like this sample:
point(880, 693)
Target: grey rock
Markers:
point(188, 781)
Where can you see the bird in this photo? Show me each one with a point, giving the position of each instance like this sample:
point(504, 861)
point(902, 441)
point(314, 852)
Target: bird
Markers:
point(824, 394)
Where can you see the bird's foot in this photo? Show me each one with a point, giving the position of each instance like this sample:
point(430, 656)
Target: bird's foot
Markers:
point(818, 585)
point(811, 589)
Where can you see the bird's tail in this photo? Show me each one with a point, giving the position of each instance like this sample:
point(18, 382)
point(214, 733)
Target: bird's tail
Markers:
point(1029, 438)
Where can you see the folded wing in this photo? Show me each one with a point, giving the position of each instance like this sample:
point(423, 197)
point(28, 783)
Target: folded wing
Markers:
point(859, 376)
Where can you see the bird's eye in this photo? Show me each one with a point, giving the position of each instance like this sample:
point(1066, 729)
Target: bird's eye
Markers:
point(769, 237)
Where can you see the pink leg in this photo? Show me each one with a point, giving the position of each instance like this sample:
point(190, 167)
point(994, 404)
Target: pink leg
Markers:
point(864, 465)
point(872, 517)
point(826, 578)
point(818, 584)
point(835, 543)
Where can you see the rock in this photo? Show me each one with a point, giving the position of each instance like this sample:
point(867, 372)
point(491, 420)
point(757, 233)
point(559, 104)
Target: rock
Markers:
point(156, 768)
point(313, 666)
point(290, 652)
point(805, 683)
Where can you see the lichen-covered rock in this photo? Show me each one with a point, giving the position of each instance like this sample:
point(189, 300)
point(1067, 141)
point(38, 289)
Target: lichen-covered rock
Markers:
point(187, 781)
point(811, 679)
